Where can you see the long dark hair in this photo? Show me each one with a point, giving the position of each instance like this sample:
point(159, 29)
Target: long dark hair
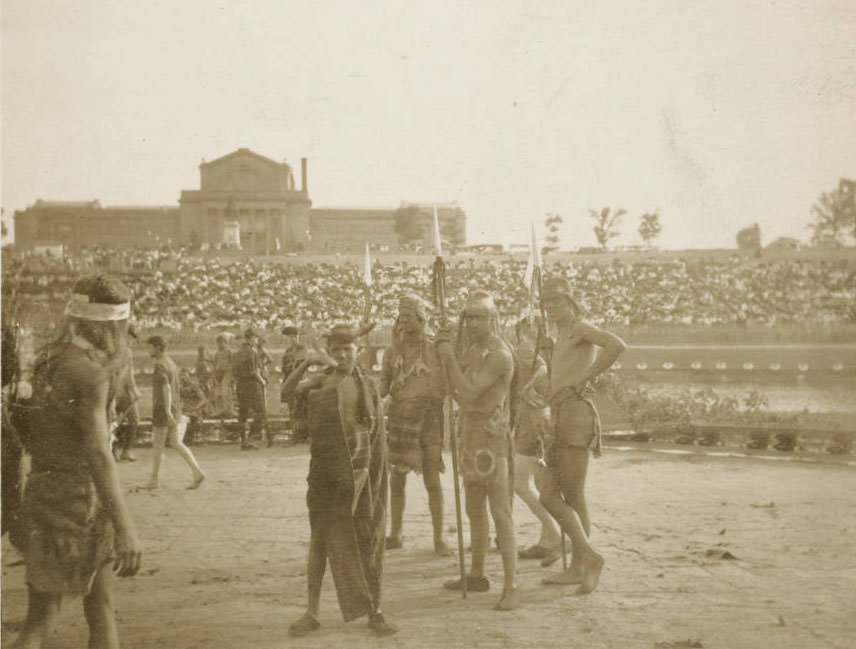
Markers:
point(109, 337)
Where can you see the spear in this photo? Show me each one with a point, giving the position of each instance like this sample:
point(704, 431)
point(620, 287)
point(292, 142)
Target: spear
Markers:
point(536, 283)
point(438, 285)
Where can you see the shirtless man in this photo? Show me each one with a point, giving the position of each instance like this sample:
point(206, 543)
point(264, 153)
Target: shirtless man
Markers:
point(413, 379)
point(480, 379)
point(74, 513)
point(580, 353)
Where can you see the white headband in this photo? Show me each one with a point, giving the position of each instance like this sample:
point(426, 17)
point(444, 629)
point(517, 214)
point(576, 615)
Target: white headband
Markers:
point(79, 306)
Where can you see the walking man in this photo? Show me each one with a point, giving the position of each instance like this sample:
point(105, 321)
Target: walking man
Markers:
point(168, 423)
point(413, 379)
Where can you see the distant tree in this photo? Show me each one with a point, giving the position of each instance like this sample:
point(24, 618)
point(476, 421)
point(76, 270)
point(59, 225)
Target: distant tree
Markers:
point(606, 222)
point(409, 224)
point(552, 222)
point(5, 229)
point(835, 215)
point(649, 227)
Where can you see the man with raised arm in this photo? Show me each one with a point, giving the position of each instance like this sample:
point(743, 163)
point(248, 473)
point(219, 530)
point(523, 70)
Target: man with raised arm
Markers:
point(348, 483)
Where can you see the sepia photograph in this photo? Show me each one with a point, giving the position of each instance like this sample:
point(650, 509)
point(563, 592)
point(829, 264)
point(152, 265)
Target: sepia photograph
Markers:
point(428, 324)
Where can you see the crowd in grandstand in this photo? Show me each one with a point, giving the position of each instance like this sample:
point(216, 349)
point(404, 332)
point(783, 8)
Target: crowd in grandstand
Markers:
point(178, 290)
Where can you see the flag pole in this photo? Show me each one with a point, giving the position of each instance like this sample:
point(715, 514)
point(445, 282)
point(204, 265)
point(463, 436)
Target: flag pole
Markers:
point(537, 284)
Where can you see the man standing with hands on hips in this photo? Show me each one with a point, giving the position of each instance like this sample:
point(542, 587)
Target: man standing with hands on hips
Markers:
point(580, 352)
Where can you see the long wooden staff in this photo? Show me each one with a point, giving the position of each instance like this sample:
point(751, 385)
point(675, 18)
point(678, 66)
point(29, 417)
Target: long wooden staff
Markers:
point(438, 282)
point(541, 337)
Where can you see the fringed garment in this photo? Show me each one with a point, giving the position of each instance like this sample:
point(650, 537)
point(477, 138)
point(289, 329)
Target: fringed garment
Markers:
point(347, 492)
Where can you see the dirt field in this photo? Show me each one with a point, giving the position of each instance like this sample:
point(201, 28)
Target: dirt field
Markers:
point(224, 566)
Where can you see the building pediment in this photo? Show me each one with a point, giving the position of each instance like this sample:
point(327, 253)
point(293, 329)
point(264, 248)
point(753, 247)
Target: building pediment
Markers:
point(244, 171)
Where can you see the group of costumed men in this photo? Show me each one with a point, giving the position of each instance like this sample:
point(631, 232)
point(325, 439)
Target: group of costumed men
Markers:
point(78, 531)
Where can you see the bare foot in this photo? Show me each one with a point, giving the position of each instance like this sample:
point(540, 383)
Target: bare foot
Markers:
point(564, 578)
point(393, 542)
point(152, 486)
point(303, 626)
point(441, 549)
point(510, 600)
point(197, 481)
point(592, 568)
point(552, 556)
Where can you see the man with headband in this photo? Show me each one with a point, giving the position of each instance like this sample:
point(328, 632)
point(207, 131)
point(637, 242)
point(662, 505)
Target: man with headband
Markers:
point(75, 518)
point(347, 479)
point(580, 353)
point(413, 379)
point(480, 378)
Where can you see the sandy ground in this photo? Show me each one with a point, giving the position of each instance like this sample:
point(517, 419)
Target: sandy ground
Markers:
point(224, 565)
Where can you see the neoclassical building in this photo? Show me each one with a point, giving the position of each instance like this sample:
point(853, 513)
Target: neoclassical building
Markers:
point(245, 201)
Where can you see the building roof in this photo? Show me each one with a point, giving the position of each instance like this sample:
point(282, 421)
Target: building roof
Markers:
point(243, 151)
point(66, 204)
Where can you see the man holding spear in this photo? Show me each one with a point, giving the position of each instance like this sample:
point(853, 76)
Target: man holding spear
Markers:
point(414, 381)
point(480, 377)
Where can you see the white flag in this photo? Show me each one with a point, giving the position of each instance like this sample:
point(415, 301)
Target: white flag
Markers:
point(532, 263)
point(367, 268)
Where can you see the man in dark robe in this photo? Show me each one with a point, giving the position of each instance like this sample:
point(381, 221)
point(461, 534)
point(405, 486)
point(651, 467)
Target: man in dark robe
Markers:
point(348, 476)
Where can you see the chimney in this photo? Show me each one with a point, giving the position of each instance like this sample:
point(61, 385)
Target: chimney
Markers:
point(303, 186)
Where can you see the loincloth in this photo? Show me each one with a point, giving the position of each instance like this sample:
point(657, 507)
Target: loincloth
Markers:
point(415, 434)
point(484, 439)
point(68, 533)
point(532, 431)
point(575, 422)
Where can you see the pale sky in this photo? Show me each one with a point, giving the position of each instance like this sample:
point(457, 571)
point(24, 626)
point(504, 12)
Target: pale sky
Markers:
point(716, 114)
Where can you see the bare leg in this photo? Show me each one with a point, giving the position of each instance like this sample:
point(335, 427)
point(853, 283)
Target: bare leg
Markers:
point(99, 611)
point(476, 496)
point(500, 509)
point(525, 468)
point(573, 467)
point(431, 478)
point(186, 455)
point(397, 499)
point(42, 613)
point(586, 563)
point(158, 440)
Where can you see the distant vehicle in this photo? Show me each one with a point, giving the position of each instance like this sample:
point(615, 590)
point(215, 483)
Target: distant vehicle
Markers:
point(485, 249)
